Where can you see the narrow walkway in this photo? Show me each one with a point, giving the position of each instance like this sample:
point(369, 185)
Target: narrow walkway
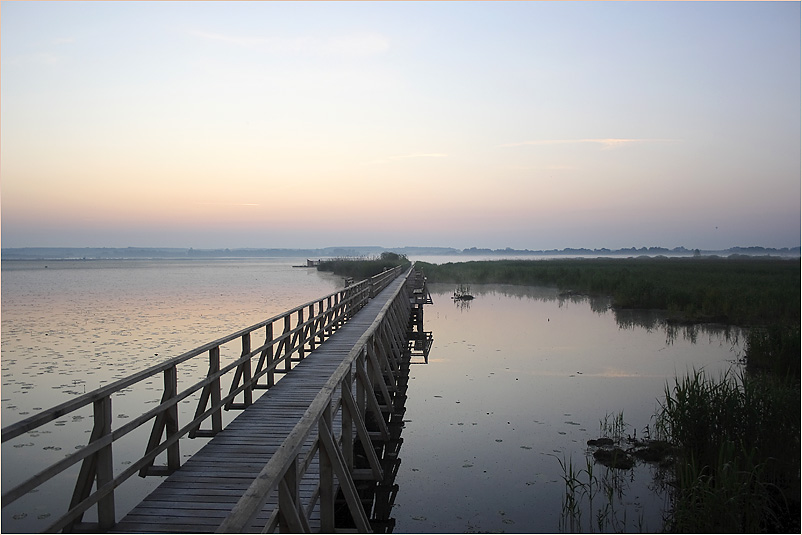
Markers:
point(197, 497)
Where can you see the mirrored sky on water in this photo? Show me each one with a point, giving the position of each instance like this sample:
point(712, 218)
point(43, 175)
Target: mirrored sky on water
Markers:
point(492, 124)
point(519, 380)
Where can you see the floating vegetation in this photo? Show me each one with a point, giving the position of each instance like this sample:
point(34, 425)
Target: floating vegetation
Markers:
point(614, 458)
point(462, 293)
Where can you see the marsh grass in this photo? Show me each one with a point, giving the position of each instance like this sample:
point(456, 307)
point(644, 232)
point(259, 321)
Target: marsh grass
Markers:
point(737, 442)
point(774, 349)
point(612, 426)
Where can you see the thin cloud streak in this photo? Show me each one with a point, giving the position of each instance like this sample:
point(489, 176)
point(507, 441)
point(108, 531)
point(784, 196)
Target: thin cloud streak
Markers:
point(606, 143)
point(227, 204)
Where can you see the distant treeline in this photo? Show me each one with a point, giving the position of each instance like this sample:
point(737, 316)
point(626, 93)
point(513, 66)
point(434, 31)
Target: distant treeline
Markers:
point(48, 253)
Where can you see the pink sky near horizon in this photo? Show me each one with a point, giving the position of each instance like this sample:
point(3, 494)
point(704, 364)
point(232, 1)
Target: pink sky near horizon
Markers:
point(526, 125)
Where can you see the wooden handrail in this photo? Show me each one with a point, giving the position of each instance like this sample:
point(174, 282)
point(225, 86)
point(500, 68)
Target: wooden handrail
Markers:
point(332, 310)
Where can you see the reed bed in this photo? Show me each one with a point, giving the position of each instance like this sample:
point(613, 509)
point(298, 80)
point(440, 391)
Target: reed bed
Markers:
point(738, 459)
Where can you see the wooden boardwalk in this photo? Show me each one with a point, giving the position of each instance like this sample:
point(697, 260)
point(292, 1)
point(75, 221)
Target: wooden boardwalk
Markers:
point(197, 497)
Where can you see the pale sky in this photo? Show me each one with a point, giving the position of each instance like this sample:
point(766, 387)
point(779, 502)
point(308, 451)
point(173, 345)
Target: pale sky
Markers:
point(532, 125)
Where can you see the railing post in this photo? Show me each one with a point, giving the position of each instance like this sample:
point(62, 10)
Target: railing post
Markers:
point(327, 494)
point(331, 302)
point(310, 330)
point(171, 422)
point(166, 422)
point(291, 517)
point(105, 465)
point(100, 467)
point(246, 369)
point(214, 367)
point(300, 335)
point(347, 424)
point(361, 395)
point(321, 322)
point(287, 343)
point(266, 359)
point(243, 373)
point(210, 392)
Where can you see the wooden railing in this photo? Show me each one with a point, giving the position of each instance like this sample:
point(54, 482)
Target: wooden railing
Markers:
point(363, 383)
point(284, 343)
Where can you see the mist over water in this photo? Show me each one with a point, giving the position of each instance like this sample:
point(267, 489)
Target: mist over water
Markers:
point(517, 379)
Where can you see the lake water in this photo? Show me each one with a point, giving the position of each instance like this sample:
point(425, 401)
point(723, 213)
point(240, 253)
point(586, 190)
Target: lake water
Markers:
point(518, 380)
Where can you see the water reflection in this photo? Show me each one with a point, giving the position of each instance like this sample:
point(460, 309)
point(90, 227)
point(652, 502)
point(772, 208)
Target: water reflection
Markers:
point(625, 318)
point(523, 377)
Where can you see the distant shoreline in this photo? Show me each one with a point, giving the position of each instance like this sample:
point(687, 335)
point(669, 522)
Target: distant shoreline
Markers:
point(127, 253)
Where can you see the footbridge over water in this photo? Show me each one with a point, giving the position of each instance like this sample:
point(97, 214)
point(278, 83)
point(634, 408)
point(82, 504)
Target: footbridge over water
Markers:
point(317, 451)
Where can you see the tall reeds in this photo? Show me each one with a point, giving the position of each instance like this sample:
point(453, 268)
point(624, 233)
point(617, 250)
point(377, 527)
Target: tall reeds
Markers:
point(738, 452)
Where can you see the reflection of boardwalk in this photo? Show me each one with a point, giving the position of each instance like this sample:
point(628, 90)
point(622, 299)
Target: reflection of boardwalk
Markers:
point(317, 451)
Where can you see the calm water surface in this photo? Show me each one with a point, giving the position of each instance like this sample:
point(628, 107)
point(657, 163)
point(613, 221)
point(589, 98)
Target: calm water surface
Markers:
point(517, 380)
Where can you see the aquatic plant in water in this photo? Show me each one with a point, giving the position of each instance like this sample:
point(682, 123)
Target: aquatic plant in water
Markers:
point(602, 492)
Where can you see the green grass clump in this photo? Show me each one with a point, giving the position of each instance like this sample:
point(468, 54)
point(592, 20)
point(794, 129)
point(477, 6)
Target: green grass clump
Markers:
point(737, 443)
point(361, 269)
